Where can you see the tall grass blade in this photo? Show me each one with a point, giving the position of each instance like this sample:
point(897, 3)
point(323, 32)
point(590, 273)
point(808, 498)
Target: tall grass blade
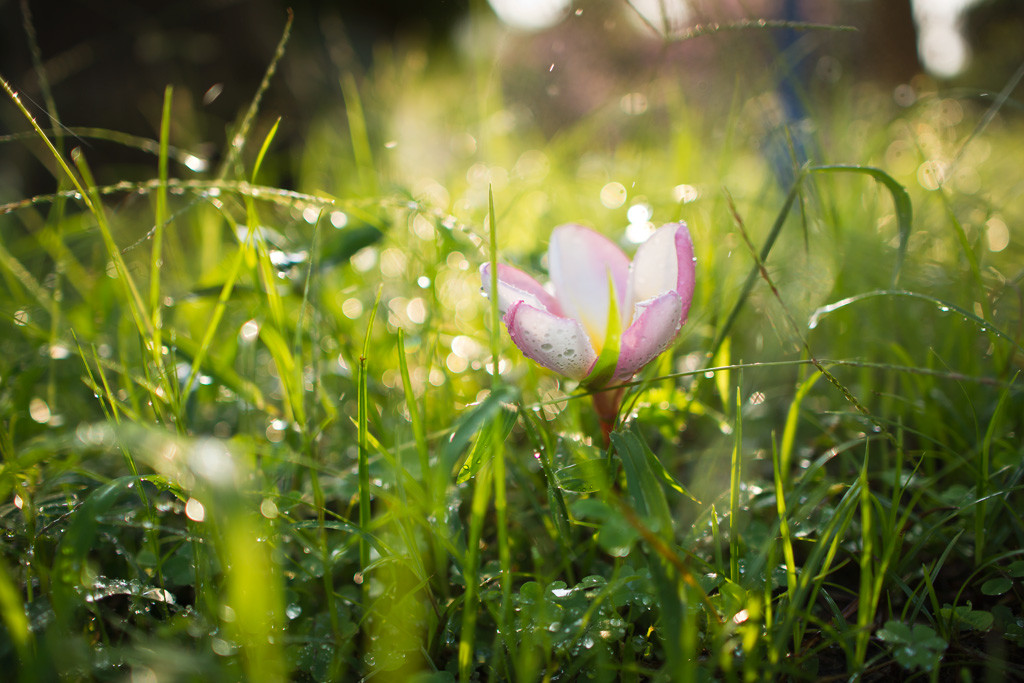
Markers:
point(982, 485)
point(238, 138)
point(735, 482)
point(361, 149)
point(865, 604)
point(900, 199)
point(362, 398)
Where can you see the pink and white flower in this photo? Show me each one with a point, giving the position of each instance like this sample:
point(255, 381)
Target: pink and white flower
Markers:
point(607, 318)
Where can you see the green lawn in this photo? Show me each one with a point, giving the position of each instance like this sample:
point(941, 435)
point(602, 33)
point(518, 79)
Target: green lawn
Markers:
point(252, 431)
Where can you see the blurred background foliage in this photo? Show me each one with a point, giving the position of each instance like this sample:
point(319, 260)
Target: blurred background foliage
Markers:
point(108, 60)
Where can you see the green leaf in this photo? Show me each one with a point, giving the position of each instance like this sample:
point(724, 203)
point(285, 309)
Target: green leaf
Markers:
point(914, 648)
point(645, 492)
point(81, 535)
point(963, 617)
point(1016, 569)
point(584, 477)
point(471, 422)
point(482, 452)
point(997, 586)
point(664, 475)
point(733, 596)
point(615, 536)
point(341, 245)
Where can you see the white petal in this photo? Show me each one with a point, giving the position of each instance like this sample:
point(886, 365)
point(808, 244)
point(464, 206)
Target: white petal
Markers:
point(557, 343)
point(581, 261)
point(664, 263)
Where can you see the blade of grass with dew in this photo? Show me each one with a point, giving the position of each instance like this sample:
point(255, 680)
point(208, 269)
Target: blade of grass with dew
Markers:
point(471, 572)
point(982, 482)
point(90, 198)
point(416, 412)
point(792, 422)
point(273, 334)
point(865, 608)
point(58, 156)
point(748, 284)
point(189, 160)
point(814, 570)
point(941, 305)
point(231, 277)
point(156, 261)
point(483, 450)
point(500, 432)
point(164, 384)
point(474, 421)
point(735, 480)
point(238, 139)
point(781, 480)
point(362, 400)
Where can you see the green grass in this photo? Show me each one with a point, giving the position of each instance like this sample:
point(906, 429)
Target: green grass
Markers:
point(256, 433)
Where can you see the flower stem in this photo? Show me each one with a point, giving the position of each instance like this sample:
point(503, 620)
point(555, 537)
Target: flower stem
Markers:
point(606, 405)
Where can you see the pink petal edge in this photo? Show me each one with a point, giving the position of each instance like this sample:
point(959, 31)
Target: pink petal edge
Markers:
point(664, 263)
point(557, 343)
point(655, 326)
point(515, 285)
point(687, 269)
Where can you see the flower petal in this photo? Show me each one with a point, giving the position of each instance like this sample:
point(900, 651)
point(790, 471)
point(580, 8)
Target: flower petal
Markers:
point(557, 343)
point(515, 285)
point(656, 323)
point(664, 263)
point(580, 262)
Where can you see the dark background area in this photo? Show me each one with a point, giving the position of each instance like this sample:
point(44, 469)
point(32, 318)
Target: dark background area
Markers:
point(108, 61)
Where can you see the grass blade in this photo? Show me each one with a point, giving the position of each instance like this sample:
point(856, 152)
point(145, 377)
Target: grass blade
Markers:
point(900, 199)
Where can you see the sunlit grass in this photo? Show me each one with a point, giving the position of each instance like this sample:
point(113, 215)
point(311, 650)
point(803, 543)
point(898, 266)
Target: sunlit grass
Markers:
point(252, 432)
